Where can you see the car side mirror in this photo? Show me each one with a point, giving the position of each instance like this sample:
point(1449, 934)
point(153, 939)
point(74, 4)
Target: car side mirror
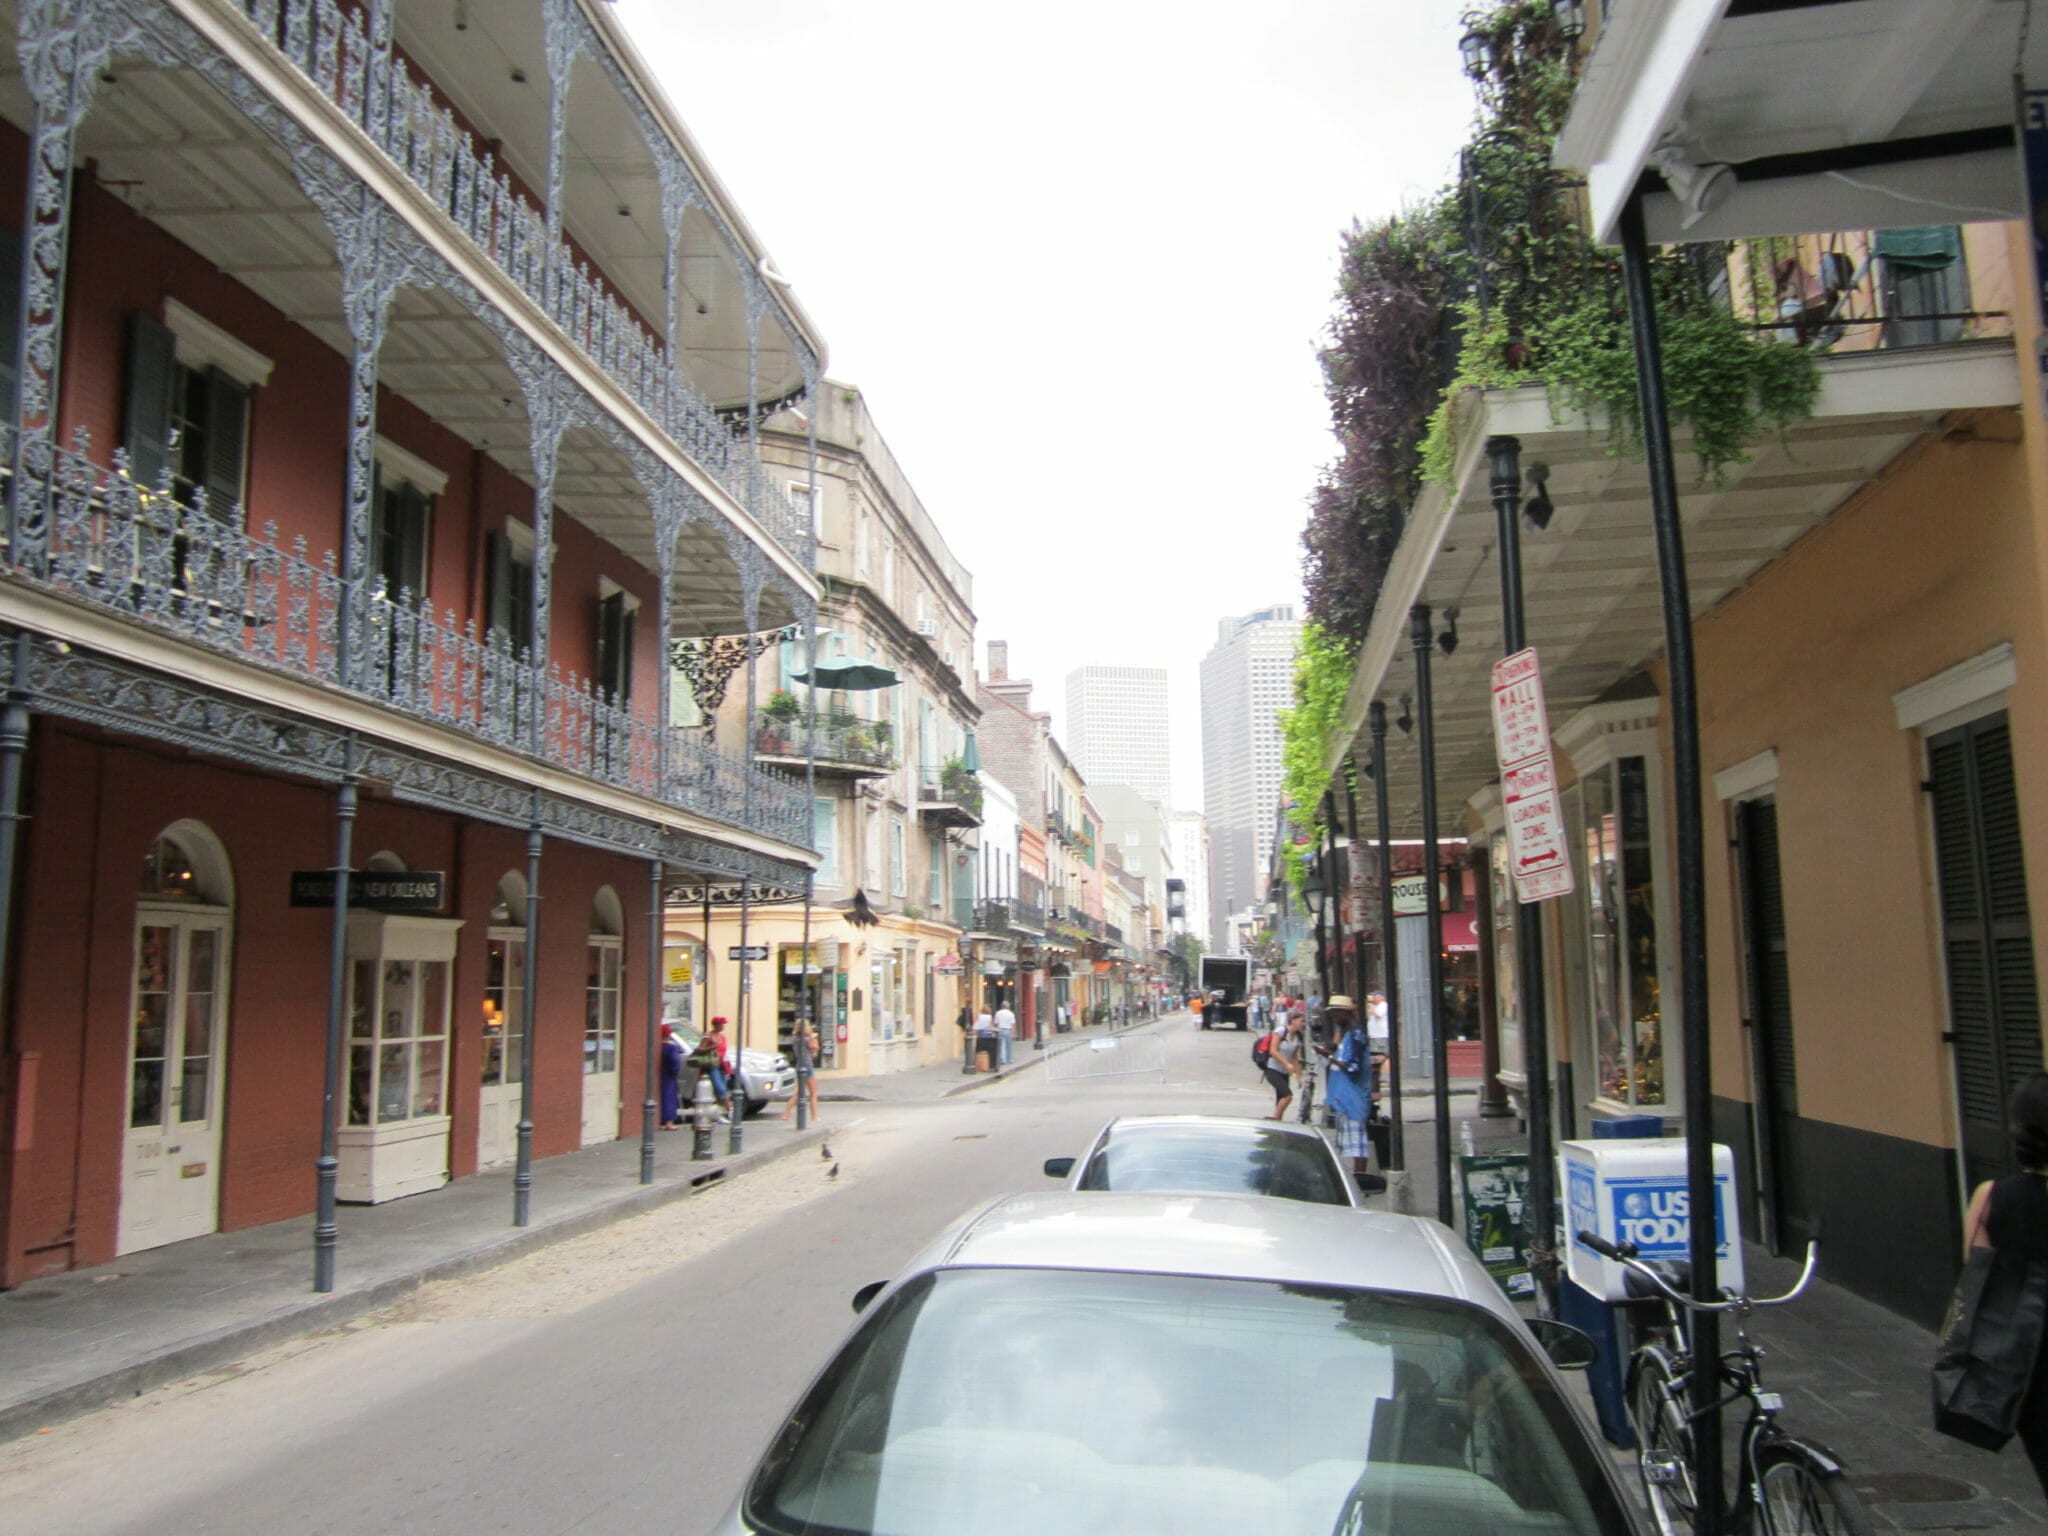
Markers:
point(1569, 1348)
point(1058, 1167)
point(866, 1294)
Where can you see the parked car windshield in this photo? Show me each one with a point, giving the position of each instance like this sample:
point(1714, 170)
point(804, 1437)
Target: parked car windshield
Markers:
point(1223, 1160)
point(1021, 1402)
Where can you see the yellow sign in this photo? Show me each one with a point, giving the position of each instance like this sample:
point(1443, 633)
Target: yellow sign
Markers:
point(679, 974)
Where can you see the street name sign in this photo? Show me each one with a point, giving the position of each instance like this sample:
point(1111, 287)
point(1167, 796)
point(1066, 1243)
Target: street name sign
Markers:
point(1539, 854)
point(747, 952)
point(374, 890)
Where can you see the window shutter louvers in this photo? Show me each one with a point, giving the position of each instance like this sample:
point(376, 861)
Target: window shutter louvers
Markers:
point(146, 416)
point(227, 438)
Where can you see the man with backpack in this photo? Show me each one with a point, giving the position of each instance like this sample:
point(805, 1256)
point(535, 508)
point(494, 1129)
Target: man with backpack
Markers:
point(1278, 1056)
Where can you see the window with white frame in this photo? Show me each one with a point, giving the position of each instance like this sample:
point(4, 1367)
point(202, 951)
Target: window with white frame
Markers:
point(896, 857)
point(825, 838)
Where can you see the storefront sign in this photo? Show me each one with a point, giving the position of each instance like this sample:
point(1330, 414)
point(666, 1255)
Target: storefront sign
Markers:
point(1496, 1189)
point(747, 952)
point(375, 890)
point(1539, 857)
point(949, 965)
point(1411, 895)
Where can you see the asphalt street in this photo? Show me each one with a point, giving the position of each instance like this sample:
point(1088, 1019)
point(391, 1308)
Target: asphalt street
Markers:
point(621, 1382)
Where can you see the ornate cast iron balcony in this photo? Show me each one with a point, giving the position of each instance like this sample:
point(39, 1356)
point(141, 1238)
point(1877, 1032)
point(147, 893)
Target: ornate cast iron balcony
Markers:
point(952, 798)
point(95, 536)
point(331, 46)
point(844, 744)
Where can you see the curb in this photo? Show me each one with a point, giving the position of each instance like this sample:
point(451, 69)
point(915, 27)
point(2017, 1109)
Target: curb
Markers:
point(316, 1314)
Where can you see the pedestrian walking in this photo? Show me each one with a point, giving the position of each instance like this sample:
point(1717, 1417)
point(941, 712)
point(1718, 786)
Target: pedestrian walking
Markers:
point(1283, 1066)
point(985, 1043)
point(671, 1077)
point(719, 1050)
point(2011, 1216)
point(1006, 1032)
point(807, 1047)
point(1349, 1089)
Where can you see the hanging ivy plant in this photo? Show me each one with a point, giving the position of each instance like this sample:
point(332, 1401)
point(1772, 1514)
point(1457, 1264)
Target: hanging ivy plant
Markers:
point(1494, 284)
point(1322, 679)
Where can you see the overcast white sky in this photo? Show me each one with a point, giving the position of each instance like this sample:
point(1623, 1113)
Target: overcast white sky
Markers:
point(1078, 255)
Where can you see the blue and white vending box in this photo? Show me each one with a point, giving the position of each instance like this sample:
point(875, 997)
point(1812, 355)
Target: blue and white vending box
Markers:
point(1634, 1192)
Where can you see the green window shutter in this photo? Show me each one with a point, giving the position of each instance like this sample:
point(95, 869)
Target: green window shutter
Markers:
point(498, 596)
point(146, 412)
point(227, 444)
point(614, 648)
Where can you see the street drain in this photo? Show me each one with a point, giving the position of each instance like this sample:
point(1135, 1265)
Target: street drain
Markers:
point(977, 1136)
point(1912, 1488)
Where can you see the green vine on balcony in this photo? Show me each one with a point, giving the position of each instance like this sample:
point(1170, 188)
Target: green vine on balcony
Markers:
point(1493, 283)
point(1322, 677)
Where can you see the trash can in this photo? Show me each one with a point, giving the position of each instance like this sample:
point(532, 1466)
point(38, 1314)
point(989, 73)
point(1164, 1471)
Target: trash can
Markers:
point(1628, 1128)
point(1607, 1377)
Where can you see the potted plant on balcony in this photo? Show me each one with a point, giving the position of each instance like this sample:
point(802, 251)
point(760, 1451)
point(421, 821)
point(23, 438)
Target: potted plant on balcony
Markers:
point(779, 717)
point(884, 736)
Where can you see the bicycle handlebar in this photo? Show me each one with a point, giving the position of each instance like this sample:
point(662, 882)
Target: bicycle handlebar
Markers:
point(1626, 1254)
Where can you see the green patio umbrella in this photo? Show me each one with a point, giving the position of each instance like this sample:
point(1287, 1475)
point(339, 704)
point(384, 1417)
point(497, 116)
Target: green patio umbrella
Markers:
point(844, 672)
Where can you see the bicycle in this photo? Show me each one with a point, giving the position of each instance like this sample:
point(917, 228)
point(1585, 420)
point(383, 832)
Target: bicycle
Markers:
point(1787, 1485)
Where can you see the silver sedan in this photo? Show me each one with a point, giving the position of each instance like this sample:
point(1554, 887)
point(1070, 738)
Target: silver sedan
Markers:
point(1206, 1365)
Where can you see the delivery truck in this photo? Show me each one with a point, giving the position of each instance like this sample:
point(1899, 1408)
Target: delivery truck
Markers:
point(1228, 982)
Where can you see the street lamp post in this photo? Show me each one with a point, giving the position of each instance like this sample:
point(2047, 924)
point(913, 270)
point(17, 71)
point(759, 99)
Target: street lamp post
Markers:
point(1390, 962)
point(1424, 641)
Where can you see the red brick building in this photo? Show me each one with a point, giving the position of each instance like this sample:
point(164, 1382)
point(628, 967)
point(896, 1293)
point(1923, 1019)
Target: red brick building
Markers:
point(381, 458)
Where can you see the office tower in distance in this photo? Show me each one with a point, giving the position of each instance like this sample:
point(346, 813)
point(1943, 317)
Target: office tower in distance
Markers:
point(1116, 727)
point(1247, 679)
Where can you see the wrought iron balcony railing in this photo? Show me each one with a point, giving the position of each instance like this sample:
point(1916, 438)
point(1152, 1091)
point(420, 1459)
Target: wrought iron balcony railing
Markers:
point(837, 739)
point(331, 46)
point(1027, 915)
point(954, 796)
point(992, 917)
point(95, 536)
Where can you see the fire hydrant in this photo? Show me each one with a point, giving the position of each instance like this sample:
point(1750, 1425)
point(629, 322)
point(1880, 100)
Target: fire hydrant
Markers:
point(703, 1115)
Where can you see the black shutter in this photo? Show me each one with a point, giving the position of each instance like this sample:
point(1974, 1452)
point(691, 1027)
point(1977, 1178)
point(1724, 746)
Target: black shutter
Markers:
point(227, 441)
point(498, 594)
point(10, 319)
point(409, 554)
point(1987, 939)
point(614, 648)
point(146, 420)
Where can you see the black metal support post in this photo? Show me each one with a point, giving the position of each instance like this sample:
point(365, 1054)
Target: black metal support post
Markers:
point(1390, 962)
point(1423, 636)
point(648, 1105)
point(805, 1061)
point(736, 1091)
point(327, 1167)
point(522, 1169)
point(1358, 976)
point(1692, 887)
point(14, 723)
point(1504, 455)
point(1333, 902)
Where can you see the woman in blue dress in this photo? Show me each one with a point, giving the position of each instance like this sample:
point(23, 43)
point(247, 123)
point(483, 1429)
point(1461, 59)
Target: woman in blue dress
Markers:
point(1349, 1091)
point(671, 1078)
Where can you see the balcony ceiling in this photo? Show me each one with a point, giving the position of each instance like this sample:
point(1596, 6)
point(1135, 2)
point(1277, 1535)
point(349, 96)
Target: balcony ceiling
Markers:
point(1590, 580)
point(166, 143)
point(607, 169)
point(1899, 112)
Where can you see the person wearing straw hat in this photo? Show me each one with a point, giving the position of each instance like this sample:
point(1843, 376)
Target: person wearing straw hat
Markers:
point(1349, 1092)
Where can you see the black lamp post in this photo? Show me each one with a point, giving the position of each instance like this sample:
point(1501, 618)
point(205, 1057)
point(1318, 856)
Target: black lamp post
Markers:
point(1390, 963)
point(1504, 455)
point(1422, 636)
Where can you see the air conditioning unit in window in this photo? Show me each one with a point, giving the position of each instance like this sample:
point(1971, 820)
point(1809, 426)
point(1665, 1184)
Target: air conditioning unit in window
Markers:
point(929, 628)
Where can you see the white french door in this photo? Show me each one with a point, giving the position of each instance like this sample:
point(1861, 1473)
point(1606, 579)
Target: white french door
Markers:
point(170, 1163)
point(601, 1043)
point(497, 1133)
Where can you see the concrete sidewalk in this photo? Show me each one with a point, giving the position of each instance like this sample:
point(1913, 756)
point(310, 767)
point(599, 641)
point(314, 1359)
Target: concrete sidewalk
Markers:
point(1853, 1375)
point(77, 1341)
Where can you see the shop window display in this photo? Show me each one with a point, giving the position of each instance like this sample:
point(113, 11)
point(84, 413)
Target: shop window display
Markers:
point(1622, 970)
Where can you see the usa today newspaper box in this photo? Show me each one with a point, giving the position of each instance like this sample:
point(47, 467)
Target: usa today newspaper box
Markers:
point(1634, 1192)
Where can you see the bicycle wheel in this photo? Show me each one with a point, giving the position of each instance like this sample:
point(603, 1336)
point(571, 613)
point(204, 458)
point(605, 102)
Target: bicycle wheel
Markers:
point(1803, 1494)
point(1656, 1406)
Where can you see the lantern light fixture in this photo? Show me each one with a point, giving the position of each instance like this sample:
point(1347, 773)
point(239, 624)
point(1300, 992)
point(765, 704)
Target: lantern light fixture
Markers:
point(1477, 49)
point(1539, 509)
point(1570, 16)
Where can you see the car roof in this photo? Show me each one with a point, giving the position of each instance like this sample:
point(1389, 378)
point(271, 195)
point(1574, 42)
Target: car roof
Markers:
point(1234, 1237)
point(1262, 1124)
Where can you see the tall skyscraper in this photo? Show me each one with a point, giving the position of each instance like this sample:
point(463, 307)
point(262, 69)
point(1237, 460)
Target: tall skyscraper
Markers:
point(1116, 727)
point(1246, 681)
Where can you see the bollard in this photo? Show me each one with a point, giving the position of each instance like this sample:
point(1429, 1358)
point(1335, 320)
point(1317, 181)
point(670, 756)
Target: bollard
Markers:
point(703, 1110)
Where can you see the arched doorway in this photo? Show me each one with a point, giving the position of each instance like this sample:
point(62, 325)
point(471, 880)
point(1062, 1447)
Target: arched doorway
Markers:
point(170, 1163)
point(497, 1133)
point(606, 955)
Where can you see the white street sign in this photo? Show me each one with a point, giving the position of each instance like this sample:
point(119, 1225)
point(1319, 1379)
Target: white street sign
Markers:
point(1539, 849)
